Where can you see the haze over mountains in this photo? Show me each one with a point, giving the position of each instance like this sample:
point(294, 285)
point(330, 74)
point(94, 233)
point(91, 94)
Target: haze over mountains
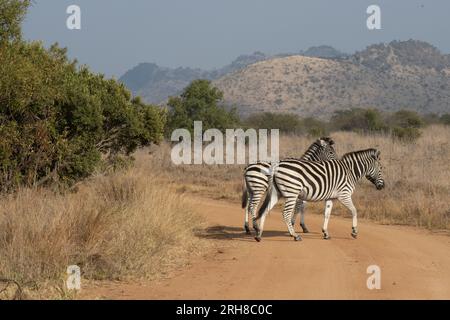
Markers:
point(155, 84)
point(400, 75)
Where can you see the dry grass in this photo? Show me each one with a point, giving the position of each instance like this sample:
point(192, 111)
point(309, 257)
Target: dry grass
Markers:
point(114, 227)
point(417, 177)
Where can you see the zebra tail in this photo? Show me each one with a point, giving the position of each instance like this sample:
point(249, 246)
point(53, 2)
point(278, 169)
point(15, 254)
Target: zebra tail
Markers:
point(270, 201)
point(244, 195)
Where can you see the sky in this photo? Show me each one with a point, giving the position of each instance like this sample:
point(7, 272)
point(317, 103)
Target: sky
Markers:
point(116, 35)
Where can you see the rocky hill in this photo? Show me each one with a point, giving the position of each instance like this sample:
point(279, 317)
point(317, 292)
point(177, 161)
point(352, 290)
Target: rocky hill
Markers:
point(400, 75)
point(155, 84)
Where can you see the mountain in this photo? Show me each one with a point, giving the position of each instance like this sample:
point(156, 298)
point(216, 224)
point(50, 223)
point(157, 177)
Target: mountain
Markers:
point(155, 84)
point(324, 52)
point(400, 75)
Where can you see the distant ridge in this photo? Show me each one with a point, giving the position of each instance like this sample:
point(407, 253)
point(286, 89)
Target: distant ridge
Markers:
point(155, 84)
point(316, 82)
point(410, 75)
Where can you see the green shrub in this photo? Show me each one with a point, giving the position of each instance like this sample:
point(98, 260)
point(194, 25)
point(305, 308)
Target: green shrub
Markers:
point(406, 119)
point(406, 134)
point(445, 119)
point(314, 127)
point(285, 122)
point(58, 121)
point(357, 119)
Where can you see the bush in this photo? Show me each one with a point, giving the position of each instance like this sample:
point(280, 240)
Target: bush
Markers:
point(406, 125)
point(406, 134)
point(356, 119)
point(445, 119)
point(314, 127)
point(58, 121)
point(285, 122)
point(406, 119)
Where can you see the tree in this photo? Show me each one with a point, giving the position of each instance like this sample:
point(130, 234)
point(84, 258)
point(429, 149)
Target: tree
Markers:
point(12, 13)
point(200, 101)
point(58, 121)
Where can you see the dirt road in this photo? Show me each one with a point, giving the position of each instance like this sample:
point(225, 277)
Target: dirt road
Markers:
point(415, 264)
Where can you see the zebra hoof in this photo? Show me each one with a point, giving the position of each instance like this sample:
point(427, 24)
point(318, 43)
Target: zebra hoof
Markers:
point(298, 238)
point(305, 229)
point(258, 239)
point(326, 237)
point(247, 229)
point(354, 235)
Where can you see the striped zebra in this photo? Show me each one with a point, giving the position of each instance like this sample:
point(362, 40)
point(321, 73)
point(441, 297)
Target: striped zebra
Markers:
point(257, 175)
point(321, 181)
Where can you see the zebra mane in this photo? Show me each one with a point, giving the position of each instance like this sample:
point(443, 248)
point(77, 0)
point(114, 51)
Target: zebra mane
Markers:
point(312, 153)
point(370, 152)
point(317, 144)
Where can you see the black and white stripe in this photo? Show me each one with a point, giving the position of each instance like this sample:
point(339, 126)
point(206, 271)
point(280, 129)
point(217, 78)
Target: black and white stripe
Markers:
point(257, 176)
point(321, 181)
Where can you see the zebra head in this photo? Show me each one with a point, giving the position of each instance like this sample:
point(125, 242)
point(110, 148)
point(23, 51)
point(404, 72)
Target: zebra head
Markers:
point(327, 151)
point(374, 173)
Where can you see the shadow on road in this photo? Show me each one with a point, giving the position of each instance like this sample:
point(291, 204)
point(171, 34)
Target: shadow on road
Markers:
point(220, 232)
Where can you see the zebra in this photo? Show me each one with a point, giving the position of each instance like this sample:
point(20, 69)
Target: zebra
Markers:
point(321, 181)
point(257, 175)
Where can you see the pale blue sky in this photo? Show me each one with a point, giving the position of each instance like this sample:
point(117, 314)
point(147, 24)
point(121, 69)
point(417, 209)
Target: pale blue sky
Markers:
point(117, 34)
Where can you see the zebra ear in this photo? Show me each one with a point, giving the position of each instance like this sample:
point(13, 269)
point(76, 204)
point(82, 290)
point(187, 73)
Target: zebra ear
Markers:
point(376, 156)
point(323, 142)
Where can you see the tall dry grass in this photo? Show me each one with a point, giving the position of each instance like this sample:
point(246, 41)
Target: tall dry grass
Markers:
point(118, 226)
point(417, 177)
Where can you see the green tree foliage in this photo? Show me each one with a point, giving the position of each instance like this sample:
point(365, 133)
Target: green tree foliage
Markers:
point(314, 127)
point(357, 119)
point(406, 125)
point(12, 13)
point(200, 101)
point(57, 120)
point(445, 119)
point(287, 123)
point(406, 119)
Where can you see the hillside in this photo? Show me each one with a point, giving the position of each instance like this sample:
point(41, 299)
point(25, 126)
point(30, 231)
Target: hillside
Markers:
point(155, 83)
point(411, 75)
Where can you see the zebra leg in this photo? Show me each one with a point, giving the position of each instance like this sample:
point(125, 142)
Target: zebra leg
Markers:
point(261, 227)
point(302, 216)
point(246, 227)
point(252, 209)
point(328, 208)
point(296, 212)
point(347, 201)
point(289, 206)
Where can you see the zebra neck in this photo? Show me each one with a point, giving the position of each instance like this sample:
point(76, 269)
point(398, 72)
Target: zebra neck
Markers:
point(311, 153)
point(356, 168)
